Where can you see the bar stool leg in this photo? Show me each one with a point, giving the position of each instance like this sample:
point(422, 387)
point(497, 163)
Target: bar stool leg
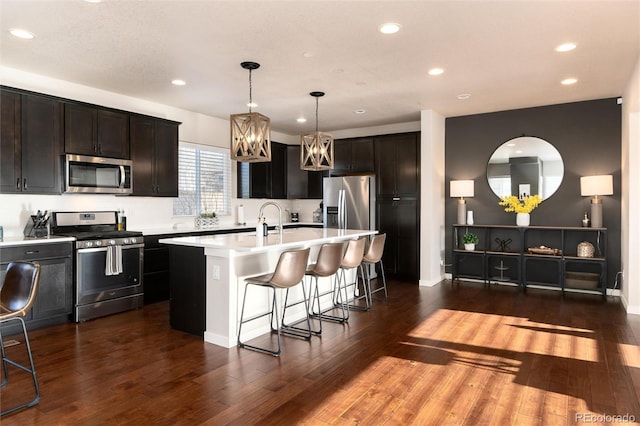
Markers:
point(384, 281)
point(359, 274)
point(292, 329)
point(336, 300)
point(31, 369)
point(5, 370)
point(274, 310)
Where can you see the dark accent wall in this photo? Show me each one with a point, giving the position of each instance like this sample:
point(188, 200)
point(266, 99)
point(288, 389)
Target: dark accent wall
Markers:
point(587, 135)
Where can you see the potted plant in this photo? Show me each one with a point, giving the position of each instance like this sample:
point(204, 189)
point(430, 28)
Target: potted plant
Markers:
point(470, 240)
point(206, 220)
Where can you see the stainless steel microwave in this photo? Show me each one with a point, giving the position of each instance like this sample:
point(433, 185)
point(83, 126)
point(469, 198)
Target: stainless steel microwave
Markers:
point(97, 175)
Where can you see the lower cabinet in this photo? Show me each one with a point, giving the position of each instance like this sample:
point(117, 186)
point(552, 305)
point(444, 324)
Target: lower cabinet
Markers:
point(156, 270)
point(54, 299)
point(399, 218)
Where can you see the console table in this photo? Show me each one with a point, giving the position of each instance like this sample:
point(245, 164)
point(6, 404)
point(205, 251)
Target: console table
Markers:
point(503, 255)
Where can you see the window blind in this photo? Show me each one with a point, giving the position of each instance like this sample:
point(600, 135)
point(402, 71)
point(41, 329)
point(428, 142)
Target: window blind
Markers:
point(204, 181)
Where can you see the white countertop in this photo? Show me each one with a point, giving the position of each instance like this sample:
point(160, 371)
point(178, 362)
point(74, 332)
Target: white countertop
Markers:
point(167, 230)
point(248, 242)
point(21, 241)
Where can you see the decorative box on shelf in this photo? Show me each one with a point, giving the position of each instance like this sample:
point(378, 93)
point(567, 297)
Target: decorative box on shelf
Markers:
point(206, 222)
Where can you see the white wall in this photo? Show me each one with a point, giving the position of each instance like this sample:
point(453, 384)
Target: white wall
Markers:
point(432, 198)
point(631, 194)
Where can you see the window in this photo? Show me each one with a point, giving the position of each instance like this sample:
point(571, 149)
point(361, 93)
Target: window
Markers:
point(204, 181)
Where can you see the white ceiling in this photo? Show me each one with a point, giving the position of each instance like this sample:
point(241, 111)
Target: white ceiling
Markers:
point(500, 52)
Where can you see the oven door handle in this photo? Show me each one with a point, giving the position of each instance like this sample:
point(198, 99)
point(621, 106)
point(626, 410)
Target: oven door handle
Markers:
point(96, 249)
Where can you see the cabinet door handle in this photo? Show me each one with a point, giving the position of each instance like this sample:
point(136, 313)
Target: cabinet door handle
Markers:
point(18, 184)
point(24, 184)
point(396, 198)
point(32, 252)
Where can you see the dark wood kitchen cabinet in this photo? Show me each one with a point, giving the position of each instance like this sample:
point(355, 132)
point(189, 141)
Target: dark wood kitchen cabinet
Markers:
point(54, 299)
point(264, 179)
point(301, 183)
point(30, 143)
point(94, 131)
point(353, 156)
point(154, 152)
point(398, 213)
point(398, 163)
point(399, 219)
point(156, 269)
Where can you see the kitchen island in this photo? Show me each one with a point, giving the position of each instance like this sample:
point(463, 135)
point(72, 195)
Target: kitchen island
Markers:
point(207, 278)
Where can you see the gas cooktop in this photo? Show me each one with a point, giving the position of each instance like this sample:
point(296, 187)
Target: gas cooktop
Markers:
point(93, 225)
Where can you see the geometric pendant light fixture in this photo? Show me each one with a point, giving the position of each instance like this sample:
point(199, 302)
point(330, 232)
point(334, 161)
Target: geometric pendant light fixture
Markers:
point(250, 132)
point(316, 149)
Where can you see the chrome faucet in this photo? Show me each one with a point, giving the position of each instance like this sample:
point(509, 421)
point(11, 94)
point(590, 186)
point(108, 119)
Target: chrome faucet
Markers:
point(271, 203)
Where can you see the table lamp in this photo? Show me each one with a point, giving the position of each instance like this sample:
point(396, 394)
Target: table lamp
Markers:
point(461, 188)
point(596, 186)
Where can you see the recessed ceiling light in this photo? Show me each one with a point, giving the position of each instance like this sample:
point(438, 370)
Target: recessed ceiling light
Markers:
point(178, 82)
point(569, 81)
point(565, 47)
point(389, 28)
point(20, 33)
point(301, 120)
point(308, 54)
point(359, 111)
point(93, 1)
point(436, 71)
point(464, 96)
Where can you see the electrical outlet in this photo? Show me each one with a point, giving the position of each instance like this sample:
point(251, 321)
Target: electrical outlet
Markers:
point(216, 272)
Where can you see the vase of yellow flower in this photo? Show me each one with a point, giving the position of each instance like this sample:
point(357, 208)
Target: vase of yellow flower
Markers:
point(523, 219)
point(522, 207)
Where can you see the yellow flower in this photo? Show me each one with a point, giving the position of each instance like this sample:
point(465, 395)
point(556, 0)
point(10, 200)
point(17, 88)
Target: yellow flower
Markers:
point(514, 204)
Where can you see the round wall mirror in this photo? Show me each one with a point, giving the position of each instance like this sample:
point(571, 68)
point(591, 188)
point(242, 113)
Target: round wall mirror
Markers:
point(525, 166)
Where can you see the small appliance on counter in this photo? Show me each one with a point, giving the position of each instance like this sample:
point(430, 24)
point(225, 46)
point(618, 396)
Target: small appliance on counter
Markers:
point(295, 217)
point(317, 214)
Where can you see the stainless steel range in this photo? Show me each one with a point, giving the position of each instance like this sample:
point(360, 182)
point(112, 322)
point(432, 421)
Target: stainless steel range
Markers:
point(108, 263)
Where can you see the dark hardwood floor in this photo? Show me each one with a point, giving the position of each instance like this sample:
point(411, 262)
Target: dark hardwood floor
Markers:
point(451, 354)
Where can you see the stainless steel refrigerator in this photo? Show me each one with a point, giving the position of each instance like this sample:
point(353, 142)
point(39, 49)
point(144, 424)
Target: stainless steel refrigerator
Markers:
point(349, 202)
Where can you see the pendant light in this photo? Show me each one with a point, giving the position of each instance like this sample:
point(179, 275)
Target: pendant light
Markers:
point(316, 149)
point(250, 132)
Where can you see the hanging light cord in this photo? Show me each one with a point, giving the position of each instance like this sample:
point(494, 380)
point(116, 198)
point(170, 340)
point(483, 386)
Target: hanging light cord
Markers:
point(316, 115)
point(250, 92)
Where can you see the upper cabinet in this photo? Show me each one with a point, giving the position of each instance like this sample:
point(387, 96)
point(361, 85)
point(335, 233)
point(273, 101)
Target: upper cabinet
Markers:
point(95, 131)
point(354, 155)
point(300, 183)
point(265, 179)
point(30, 143)
point(154, 152)
point(397, 168)
point(279, 178)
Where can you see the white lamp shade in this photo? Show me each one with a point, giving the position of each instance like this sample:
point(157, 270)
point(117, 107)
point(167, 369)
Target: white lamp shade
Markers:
point(461, 188)
point(596, 185)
